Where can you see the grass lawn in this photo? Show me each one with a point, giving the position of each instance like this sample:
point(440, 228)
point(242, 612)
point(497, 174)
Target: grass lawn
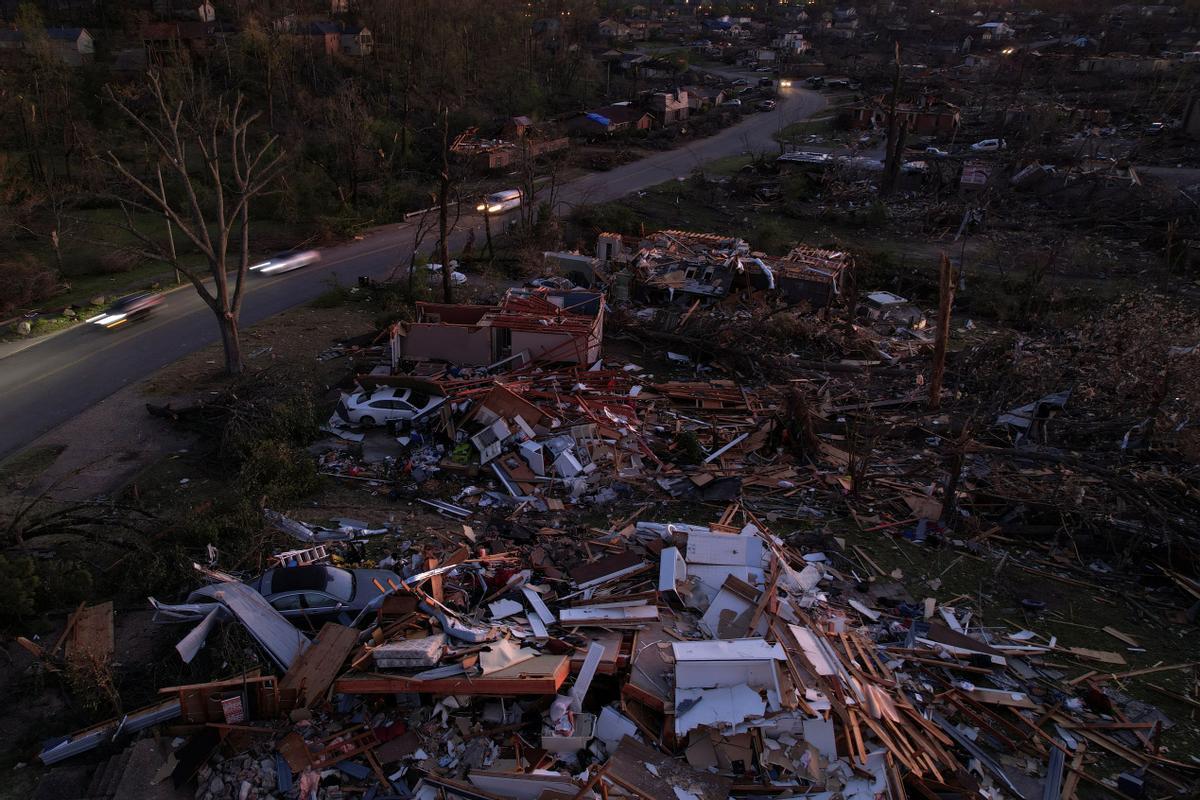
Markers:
point(823, 125)
point(93, 263)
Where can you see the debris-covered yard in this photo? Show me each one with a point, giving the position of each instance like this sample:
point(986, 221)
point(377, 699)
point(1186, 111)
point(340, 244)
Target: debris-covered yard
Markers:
point(738, 525)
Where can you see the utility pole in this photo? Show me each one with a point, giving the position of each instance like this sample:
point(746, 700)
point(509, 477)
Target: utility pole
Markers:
point(896, 135)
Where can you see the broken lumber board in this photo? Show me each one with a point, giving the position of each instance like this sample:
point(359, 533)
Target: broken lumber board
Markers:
point(68, 628)
point(1133, 673)
point(91, 634)
point(867, 560)
point(651, 775)
point(1102, 656)
point(316, 668)
point(1121, 637)
point(538, 676)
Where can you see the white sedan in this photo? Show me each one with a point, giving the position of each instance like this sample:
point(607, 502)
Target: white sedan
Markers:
point(287, 261)
point(369, 409)
point(435, 273)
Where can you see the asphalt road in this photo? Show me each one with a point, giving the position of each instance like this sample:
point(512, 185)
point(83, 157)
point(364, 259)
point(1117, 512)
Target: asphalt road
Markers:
point(53, 379)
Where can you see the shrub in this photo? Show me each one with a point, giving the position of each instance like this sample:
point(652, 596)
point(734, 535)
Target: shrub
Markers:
point(333, 297)
point(615, 217)
point(20, 583)
point(771, 236)
point(279, 472)
point(25, 282)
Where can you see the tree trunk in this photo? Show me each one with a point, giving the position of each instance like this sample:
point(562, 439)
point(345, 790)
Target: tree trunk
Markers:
point(443, 199)
point(945, 305)
point(231, 343)
point(894, 150)
point(487, 231)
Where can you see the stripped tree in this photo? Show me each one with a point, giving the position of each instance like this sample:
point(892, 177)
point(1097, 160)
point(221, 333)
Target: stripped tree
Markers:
point(215, 165)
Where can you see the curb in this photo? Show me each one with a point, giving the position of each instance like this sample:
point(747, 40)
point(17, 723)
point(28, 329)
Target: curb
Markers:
point(13, 348)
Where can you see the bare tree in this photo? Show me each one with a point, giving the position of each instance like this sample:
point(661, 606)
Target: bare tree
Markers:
point(209, 207)
point(443, 210)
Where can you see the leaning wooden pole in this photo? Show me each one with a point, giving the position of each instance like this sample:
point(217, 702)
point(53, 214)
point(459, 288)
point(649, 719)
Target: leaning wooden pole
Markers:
point(945, 306)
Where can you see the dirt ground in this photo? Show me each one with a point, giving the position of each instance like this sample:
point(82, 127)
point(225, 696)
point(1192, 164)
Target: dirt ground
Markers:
point(97, 455)
point(103, 449)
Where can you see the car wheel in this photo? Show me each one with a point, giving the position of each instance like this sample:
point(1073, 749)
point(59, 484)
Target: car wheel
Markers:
point(367, 422)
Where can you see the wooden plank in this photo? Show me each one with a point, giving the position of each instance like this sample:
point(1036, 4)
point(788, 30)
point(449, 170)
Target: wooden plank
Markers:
point(1122, 637)
point(537, 676)
point(68, 629)
point(1074, 770)
point(1103, 656)
point(652, 775)
point(1148, 671)
point(316, 668)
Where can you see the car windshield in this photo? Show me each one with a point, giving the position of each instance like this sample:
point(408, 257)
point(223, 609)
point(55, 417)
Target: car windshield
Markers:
point(334, 581)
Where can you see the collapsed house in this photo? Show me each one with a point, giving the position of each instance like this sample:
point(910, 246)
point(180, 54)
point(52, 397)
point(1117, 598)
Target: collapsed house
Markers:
point(521, 142)
point(550, 326)
point(671, 265)
point(647, 660)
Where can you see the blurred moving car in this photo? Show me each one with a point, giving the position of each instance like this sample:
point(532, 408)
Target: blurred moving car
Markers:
point(287, 261)
point(386, 404)
point(499, 202)
point(766, 105)
point(128, 309)
point(936, 152)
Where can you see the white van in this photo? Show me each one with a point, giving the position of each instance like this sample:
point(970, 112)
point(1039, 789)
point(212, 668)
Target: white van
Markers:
point(500, 202)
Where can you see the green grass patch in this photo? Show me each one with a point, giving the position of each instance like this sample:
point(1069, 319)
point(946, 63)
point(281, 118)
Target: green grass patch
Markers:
point(824, 126)
point(94, 264)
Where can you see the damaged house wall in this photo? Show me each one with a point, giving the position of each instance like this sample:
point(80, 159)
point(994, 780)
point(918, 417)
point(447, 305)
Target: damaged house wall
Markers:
point(558, 327)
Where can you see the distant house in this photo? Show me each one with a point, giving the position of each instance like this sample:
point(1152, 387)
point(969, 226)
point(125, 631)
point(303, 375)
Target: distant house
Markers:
point(165, 41)
point(702, 98)
point(926, 117)
point(610, 120)
point(793, 42)
point(614, 29)
point(325, 37)
point(199, 10)
point(995, 31)
point(355, 40)
point(644, 29)
point(333, 38)
point(671, 107)
point(72, 46)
